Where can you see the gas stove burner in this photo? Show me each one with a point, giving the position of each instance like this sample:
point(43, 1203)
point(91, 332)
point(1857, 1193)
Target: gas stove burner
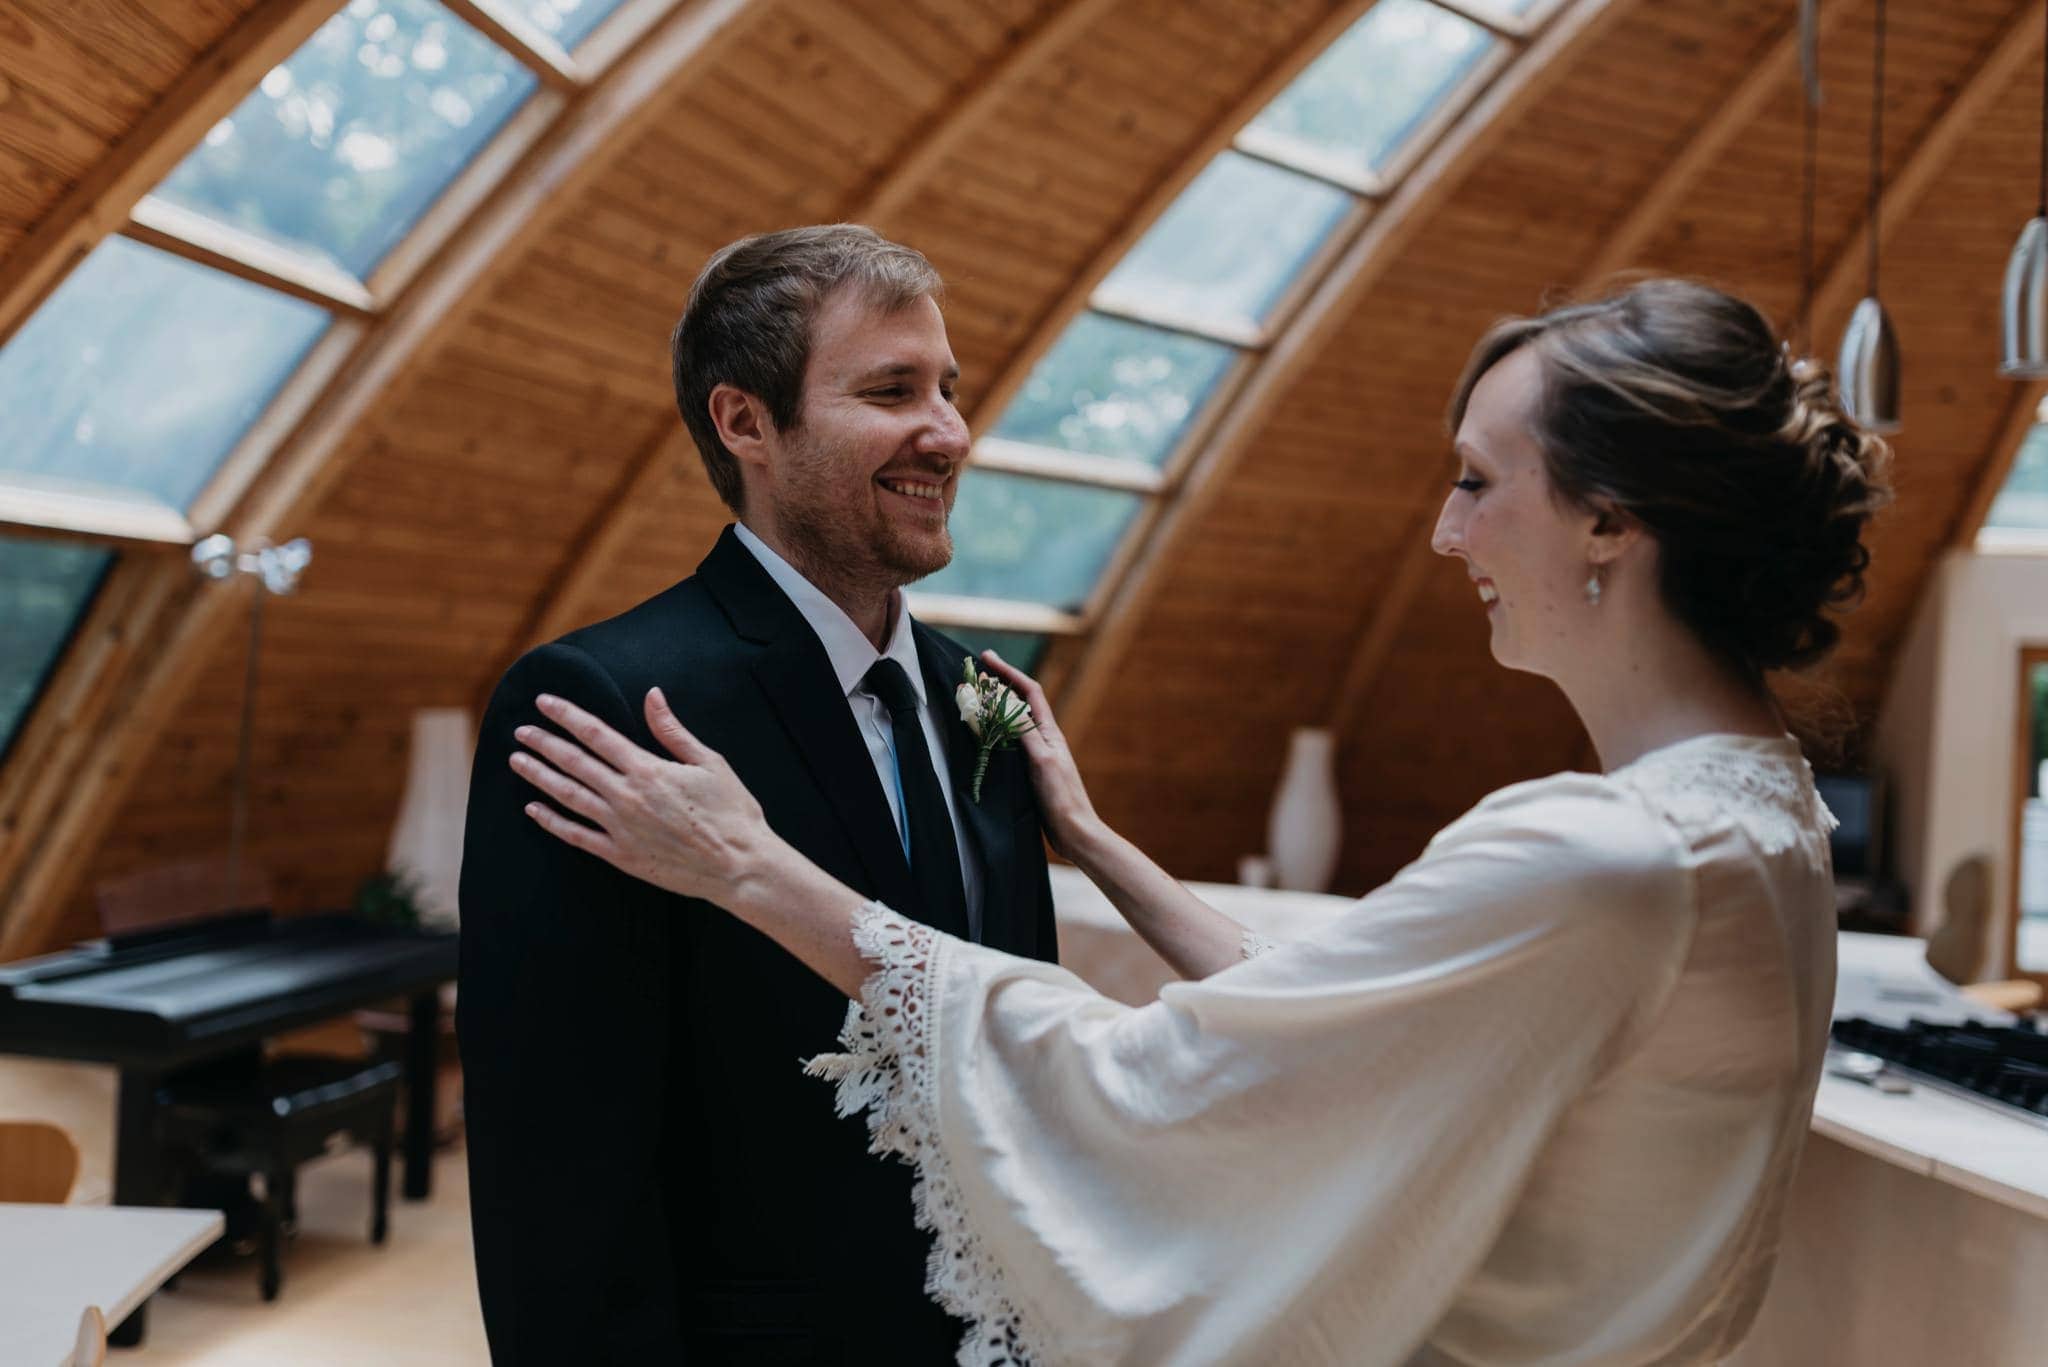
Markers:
point(2004, 1064)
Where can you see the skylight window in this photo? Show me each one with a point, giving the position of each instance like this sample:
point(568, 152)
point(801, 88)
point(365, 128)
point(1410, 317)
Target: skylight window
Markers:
point(44, 589)
point(1114, 388)
point(339, 151)
point(1205, 286)
point(1230, 245)
point(1024, 649)
point(2020, 512)
point(105, 386)
point(1359, 103)
point(1036, 540)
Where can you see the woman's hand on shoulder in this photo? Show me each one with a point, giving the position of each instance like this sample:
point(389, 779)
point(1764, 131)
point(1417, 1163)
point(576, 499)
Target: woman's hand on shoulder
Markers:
point(687, 824)
point(1063, 802)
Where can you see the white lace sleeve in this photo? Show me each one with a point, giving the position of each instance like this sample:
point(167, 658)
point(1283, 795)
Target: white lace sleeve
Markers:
point(1254, 944)
point(889, 1071)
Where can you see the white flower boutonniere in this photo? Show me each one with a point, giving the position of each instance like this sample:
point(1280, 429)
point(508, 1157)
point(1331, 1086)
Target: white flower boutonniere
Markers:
point(993, 712)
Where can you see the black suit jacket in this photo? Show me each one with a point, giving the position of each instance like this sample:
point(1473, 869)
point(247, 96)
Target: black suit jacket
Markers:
point(652, 1179)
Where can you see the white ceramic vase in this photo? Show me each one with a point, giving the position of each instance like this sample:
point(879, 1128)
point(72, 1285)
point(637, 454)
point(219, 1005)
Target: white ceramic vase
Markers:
point(1305, 831)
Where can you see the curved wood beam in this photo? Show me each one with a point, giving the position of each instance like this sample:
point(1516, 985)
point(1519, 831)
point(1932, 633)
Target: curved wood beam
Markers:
point(1403, 214)
point(1066, 652)
point(995, 396)
point(100, 202)
point(188, 626)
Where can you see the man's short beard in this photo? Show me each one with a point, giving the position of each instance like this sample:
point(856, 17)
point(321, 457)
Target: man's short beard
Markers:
point(826, 551)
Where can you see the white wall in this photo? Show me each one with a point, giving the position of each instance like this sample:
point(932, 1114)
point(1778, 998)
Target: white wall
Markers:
point(1945, 736)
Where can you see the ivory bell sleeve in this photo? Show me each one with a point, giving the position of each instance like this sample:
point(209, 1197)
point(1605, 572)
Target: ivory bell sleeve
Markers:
point(1298, 1159)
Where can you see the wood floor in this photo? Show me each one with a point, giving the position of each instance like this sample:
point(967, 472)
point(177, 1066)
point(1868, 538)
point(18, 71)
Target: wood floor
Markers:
point(345, 1302)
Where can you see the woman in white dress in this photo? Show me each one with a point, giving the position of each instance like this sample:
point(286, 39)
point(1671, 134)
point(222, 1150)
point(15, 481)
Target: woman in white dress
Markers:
point(1537, 1099)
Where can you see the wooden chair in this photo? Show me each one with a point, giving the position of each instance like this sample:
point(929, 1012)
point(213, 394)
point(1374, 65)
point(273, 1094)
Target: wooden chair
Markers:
point(1956, 949)
point(38, 1162)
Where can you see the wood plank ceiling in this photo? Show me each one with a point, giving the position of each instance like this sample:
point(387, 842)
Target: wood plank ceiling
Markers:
point(504, 463)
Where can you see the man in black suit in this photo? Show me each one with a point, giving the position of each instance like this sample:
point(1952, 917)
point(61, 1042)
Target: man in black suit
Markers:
point(652, 1179)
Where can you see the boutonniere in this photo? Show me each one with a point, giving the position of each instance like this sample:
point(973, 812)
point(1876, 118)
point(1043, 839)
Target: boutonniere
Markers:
point(994, 713)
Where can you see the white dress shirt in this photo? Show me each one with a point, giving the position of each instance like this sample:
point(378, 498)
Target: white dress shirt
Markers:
point(852, 656)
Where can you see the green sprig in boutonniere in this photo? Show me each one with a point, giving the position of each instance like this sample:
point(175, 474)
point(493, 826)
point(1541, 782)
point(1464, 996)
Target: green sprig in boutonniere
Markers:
point(994, 713)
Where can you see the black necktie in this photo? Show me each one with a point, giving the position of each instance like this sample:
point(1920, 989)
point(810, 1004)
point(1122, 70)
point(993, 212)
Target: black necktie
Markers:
point(934, 858)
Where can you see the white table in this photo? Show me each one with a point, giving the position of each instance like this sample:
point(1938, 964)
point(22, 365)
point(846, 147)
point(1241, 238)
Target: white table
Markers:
point(60, 1259)
point(1100, 946)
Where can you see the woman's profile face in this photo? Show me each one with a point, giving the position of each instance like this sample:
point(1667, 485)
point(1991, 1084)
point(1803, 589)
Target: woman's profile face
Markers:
point(1525, 551)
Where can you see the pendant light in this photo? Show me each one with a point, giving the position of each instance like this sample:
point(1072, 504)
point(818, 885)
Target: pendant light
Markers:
point(1868, 369)
point(2026, 279)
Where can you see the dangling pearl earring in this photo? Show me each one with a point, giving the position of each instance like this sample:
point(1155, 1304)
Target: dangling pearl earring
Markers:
point(1593, 587)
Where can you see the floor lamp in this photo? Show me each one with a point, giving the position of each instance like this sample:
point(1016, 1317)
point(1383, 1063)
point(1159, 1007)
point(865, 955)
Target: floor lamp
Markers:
point(276, 570)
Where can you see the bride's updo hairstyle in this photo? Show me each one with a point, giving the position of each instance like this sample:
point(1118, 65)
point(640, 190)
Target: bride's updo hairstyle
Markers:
point(1673, 402)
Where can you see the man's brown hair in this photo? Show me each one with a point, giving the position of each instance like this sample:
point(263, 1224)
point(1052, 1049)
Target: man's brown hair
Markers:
point(748, 322)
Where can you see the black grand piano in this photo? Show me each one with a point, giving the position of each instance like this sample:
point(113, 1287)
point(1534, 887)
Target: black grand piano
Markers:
point(164, 999)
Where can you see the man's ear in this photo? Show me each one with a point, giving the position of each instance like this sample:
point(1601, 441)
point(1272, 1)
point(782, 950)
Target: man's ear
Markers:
point(743, 424)
point(1612, 534)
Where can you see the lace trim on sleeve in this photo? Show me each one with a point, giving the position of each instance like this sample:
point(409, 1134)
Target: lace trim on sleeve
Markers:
point(886, 1070)
point(1253, 944)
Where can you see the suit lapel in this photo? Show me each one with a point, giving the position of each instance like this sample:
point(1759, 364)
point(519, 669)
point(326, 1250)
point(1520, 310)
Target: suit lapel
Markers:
point(796, 677)
point(989, 821)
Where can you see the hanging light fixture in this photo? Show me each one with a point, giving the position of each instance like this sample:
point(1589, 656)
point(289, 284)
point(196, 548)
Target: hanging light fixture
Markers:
point(2026, 280)
point(1868, 369)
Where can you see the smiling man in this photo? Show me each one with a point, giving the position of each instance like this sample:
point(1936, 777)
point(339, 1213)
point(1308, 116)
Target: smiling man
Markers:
point(651, 1176)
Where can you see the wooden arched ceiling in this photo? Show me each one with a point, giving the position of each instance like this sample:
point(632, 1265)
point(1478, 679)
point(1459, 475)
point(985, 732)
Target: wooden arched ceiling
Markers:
point(465, 462)
point(499, 458)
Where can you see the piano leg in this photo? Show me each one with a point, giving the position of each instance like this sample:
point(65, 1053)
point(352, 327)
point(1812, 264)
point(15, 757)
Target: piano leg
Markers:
point(138, 1172)
point(422, 1064)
